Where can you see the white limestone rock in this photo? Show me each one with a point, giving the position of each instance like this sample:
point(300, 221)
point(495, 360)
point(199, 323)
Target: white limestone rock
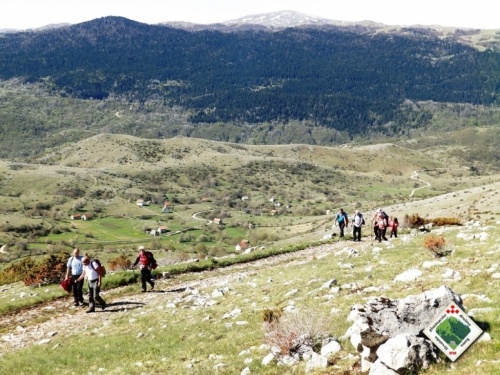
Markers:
point(331, 348)
point(316, 362)
point(409, 275)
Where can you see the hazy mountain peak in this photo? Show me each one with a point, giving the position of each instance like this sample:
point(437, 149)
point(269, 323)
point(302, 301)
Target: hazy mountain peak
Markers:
point(284, 18)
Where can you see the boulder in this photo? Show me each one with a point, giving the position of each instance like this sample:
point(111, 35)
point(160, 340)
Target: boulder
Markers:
point(378, 368)
point(406, 352)
point(382, 319)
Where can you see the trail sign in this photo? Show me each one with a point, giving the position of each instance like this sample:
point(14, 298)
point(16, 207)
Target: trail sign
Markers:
point(453, 331)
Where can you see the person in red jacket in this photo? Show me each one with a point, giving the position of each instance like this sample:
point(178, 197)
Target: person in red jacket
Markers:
point(393, 227)
point(381, 225)
point(146, 260)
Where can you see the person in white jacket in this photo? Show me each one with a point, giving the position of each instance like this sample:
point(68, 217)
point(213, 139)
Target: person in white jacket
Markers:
point(94, 280)
point(357, 223)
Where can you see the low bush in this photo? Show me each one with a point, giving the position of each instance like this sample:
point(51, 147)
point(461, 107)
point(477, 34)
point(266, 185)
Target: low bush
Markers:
point(122, 262)
point(440, 221)
point(296, 332)
point(415, 221)
point(436, 245)
point(50, 269)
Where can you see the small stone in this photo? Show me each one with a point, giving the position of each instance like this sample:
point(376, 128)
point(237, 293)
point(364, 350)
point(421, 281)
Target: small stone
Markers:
point(267, 359)
point(484, 337)
point(331, 348)
point(140, 334)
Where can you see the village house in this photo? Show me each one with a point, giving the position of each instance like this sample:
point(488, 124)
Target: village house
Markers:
point(218, 221)
point(271, 199)
point(140, 202)
point(245, 198)
point(162, 229)
point(87, 216)
point(206, 199)
point(245, 210)
point(76, 216)
point(242, 245)
point(257, 213)
point(167, 207)
point(277, 204)
point(274, 212)
point(250, 226)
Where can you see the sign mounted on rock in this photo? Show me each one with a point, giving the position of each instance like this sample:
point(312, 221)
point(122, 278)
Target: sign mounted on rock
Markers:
point(453, 331)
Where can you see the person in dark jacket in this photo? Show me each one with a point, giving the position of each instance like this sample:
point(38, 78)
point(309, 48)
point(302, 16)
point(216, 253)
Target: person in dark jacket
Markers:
point(146, 260)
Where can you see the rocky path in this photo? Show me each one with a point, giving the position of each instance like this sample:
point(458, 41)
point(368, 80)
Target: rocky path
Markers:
point(58, 318)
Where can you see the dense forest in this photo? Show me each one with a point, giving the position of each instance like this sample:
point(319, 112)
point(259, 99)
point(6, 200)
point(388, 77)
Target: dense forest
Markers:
point(328, 78)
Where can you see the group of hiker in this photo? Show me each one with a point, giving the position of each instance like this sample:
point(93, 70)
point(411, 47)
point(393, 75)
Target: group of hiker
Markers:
point(380, 222)
point(81, 267)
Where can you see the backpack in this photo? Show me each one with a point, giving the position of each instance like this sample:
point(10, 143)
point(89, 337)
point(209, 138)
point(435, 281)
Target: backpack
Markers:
point(152, 263)
point(100, 268)
point(362, 222)
point(66, 285)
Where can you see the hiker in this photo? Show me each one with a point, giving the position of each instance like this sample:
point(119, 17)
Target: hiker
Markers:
point(94, 281)
point(381, 227)
point(75, 266)
point(357, 223)
point(343, 221)
point(376, 226)
point(146, 258)
point(393, 227)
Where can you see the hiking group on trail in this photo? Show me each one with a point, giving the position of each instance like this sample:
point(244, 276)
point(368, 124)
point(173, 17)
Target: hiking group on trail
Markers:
point(381, 221)
point(79, 268)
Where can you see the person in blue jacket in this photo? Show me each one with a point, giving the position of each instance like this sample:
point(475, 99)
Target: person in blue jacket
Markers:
point(342, 219)
point(75, 267)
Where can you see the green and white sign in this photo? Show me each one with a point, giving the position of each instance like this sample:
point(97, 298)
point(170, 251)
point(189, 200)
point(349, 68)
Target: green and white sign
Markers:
point(453, 331)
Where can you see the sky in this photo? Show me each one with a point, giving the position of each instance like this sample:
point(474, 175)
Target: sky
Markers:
point(25, 14)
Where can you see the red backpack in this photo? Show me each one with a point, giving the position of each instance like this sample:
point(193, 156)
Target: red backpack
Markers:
point(152, 261)
point(66, 285)
point(100, 268)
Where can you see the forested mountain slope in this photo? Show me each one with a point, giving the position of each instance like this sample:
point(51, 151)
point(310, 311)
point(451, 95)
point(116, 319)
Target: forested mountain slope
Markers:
point(350, 82)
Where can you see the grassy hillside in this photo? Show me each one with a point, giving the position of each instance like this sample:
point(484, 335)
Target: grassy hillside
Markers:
point(104, 175)
point(184, 329)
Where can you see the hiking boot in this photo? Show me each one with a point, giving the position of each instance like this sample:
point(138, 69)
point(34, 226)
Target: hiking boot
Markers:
point(104, 305)
point(152, 287)
point(143, 291)
point(90, 311)
point(81, 301)
point(76, 304)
